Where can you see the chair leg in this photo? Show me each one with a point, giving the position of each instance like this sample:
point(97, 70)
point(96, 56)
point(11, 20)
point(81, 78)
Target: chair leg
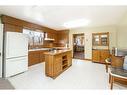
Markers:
point(106, 68)
point(112, 80)
point(109, 78)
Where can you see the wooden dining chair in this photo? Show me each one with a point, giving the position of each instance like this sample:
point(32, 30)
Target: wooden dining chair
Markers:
point(117, 73)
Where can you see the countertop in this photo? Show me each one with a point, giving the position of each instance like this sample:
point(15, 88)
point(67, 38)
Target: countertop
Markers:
point(100, 49)
point(37, 49)
point(55, 52)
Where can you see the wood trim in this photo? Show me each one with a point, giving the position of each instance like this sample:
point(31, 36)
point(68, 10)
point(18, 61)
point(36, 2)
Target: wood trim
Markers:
point(83, 59)
point(25, 24)
point(17, 25)
point(101, 33)
point(88, 59)
point(14, 28)
point(115, 79)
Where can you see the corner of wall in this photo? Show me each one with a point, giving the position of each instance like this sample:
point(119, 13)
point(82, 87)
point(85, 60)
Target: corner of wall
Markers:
point(121, 32)
point(0, 20)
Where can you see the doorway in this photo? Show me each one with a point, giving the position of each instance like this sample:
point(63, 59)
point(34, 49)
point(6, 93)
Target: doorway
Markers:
point(78, 46)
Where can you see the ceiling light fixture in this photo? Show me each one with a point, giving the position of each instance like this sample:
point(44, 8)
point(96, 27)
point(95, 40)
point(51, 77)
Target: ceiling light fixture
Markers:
point(76, 23)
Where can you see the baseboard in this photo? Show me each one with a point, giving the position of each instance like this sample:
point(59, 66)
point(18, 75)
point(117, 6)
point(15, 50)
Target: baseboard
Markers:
point(88, 59)
point(83, 59)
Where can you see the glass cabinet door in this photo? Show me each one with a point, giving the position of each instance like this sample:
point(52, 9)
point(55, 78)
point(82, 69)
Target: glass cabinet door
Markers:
point(96, 40)
point(104, 39)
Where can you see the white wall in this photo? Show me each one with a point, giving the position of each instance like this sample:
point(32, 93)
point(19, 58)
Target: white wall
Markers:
point(122, 33)
point(0, 19)
point(88, 37)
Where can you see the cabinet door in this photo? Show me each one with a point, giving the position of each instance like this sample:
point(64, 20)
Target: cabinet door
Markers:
point(95, 55)
point(42, 56)
point(100, 39)
point(57, 65)
point(96, 39)
point(55, 37)
point(33, 58)
point(104, 54)
point(104, 39)
point(50, 35)
point(30, 58)
point(69, 55)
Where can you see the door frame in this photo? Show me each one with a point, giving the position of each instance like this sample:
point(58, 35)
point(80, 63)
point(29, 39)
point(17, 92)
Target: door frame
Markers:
point(73, 44)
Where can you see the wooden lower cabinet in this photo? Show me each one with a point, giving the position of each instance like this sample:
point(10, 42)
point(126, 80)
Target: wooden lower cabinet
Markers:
point(96, 55)
point(100, 55)
point(42, 55)
point(69, 56)
point(104, 54)
point(35, 57)
point(57, 63)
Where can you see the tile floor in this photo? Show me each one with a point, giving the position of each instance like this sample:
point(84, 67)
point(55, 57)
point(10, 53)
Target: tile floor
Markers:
point(79, 55)
point(5, 84)
point(81, 75)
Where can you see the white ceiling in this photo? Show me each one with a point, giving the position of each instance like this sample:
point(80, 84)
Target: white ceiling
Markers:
point(55, 16)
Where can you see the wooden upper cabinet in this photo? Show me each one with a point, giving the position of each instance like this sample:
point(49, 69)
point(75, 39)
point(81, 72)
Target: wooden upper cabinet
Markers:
point(12, 28)
point(63, 37)
point(96, 39)
point(100, 39)
point(52, 36)
point(104, 39)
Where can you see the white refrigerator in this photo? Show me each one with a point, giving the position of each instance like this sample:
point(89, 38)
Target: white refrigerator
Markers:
point(15, 53)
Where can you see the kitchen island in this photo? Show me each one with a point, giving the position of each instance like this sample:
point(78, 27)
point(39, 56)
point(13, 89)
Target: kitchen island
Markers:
point(57, 61)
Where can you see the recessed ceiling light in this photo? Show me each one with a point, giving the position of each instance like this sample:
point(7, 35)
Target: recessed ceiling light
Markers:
point(76, 23)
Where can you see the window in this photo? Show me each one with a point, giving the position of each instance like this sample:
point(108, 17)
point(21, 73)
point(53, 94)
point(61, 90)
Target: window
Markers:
point(35, 37)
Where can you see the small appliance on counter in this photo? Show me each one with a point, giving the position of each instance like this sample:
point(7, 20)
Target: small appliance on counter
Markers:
point(125, 63)
point(119, 52)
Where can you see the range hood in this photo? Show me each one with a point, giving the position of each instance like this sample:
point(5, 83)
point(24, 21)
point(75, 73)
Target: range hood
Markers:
point(48, 39)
